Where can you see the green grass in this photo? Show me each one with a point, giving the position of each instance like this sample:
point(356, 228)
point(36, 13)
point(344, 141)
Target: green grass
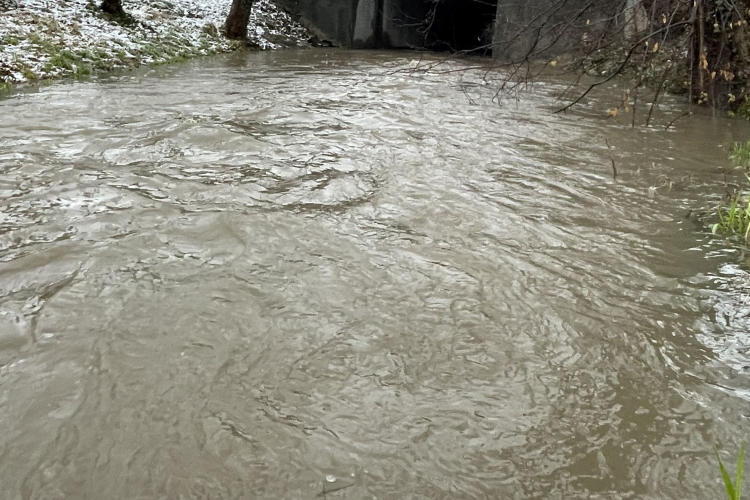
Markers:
point(64, 59)
point(42, 43)
point(102, 65)
point(84, 61)
point(168, 51)
point(152, 50)
point(733, 489)
point(29, 74)
point(86, 54)
point(81, 70)
point(741, 154)
point(78, 64)
point(5, 87)
point(734, 218)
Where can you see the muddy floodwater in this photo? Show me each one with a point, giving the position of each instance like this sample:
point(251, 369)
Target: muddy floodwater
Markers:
point(307, 274)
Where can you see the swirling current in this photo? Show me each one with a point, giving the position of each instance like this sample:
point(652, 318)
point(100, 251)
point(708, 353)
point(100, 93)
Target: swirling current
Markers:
point(308, 274)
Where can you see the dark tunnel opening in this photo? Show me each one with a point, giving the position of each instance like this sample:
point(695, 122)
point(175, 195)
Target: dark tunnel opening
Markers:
point(462, 25)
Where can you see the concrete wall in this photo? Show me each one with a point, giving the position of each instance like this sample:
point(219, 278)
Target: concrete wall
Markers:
point(360, 23)
point(538, 28)
point(399, 18)
point(331, 20)
point(368, 31)
point(520, 26)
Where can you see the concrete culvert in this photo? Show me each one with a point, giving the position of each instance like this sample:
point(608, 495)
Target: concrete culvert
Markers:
point(461, 25)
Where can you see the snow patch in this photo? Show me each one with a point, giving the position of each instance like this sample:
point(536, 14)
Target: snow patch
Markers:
point(41, 39)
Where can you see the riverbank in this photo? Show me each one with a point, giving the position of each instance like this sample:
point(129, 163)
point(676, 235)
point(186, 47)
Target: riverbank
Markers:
point(41, 39)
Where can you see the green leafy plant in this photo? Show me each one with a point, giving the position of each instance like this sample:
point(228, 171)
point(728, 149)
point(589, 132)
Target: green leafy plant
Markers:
point(743, 111)
point(733, 489)
point(735, 218)
point(741, 154)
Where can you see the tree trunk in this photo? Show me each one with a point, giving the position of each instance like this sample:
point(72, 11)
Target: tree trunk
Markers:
point(238, 18)
point(113, 7)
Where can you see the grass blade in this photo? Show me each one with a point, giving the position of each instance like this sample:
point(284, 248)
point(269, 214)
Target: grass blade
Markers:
point(727, 480)
point(740, 467)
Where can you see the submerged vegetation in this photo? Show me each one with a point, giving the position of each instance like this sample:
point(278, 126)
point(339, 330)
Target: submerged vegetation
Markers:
point(734, 213)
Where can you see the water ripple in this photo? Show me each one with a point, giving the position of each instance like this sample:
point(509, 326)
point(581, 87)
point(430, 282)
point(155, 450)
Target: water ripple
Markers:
point(248, 275)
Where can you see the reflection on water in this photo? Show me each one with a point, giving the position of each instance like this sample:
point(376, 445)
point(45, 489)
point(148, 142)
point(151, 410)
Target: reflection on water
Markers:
point(297, 274)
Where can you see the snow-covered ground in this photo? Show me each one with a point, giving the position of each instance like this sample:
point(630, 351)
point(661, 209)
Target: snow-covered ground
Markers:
point(42, 39)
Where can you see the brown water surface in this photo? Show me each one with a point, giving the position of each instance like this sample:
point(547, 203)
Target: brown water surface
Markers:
point(302, 274)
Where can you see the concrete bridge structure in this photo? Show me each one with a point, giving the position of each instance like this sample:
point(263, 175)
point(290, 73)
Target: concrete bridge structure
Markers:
point(429, 24)
point(513, 28)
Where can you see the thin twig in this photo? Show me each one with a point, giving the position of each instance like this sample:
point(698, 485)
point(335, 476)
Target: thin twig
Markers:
point(619, 69)
point(611, 157)
point(656, 94)
point(686, 113)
